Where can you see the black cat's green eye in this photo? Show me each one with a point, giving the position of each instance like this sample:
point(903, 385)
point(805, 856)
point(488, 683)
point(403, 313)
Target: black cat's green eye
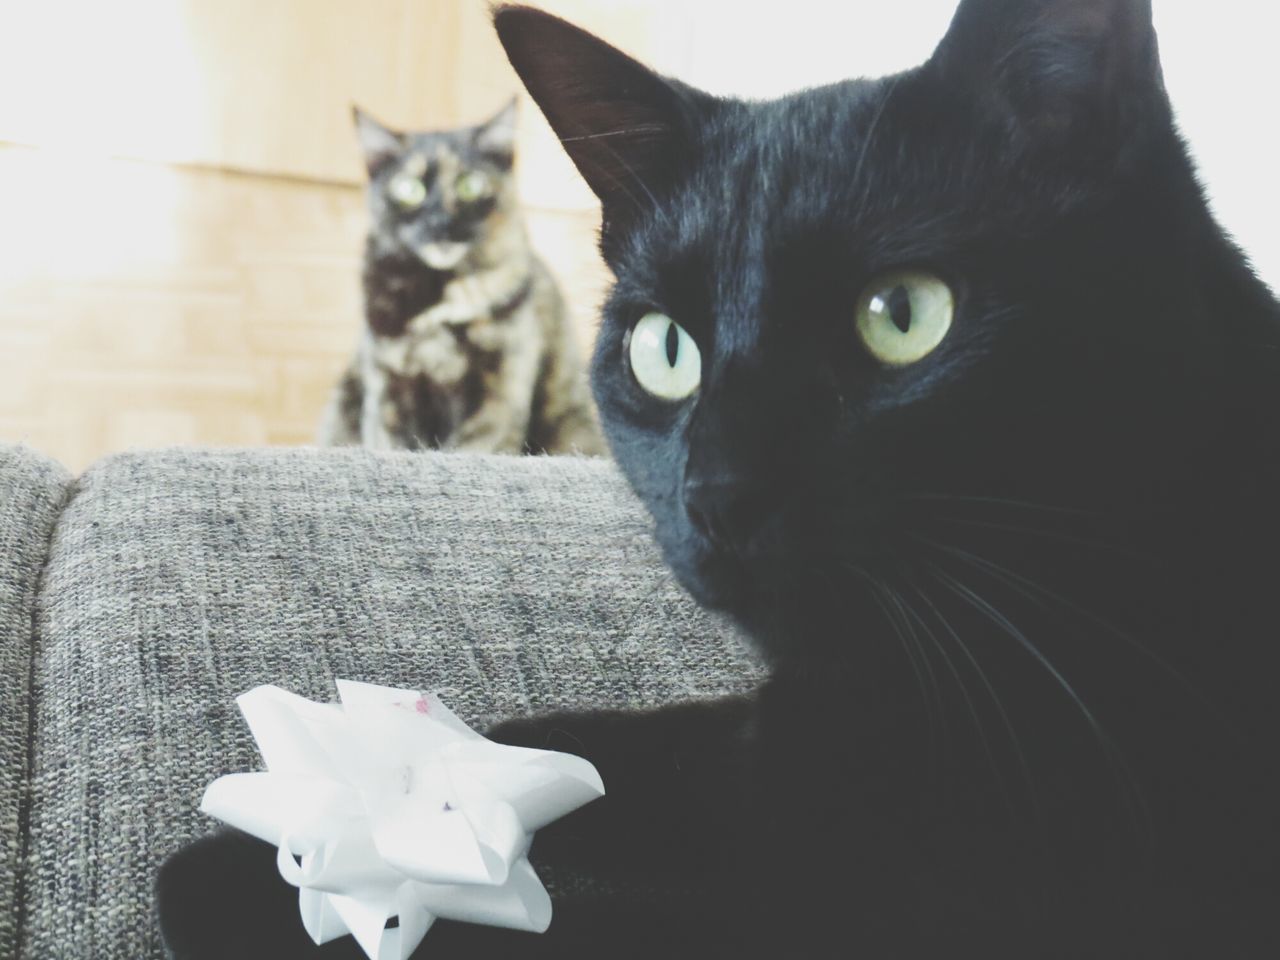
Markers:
point(472, 186)
point(903, 316)
point(664, 358)
point(407, 190)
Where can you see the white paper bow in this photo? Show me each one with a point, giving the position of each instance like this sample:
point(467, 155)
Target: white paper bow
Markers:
point(388, 805)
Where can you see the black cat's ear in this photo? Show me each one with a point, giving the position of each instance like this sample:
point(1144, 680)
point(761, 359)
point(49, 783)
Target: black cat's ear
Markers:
point(629, 131)
point(380, 144)
point(496, 138)
point(1061, 70)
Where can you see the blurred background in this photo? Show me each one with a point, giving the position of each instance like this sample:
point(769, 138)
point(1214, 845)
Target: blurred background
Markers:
point(181, 216)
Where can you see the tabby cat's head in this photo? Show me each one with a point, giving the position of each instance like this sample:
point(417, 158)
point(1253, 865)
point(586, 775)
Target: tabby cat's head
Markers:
point(434, 194)
point(992, 278)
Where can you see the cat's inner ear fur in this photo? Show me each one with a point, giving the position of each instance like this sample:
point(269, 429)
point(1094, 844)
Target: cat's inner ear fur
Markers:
point(1058, 70)
point(496, 138)
point(380, 144)
point(626, 128)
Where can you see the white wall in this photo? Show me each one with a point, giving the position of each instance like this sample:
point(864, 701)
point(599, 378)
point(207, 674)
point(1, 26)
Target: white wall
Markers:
point(1223, 75)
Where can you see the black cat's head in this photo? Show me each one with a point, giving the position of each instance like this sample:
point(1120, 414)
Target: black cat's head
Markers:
point(433, 194)
point(982, 280)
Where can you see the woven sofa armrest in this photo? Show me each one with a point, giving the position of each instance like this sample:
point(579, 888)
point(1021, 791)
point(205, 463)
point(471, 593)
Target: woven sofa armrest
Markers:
point(181, 579)
point(33, 490)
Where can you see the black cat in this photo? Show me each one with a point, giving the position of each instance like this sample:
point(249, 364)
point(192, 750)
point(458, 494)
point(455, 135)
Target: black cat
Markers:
point(949, 389)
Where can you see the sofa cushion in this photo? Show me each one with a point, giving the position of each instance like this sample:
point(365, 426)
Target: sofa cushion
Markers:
point(32, 491)
point(179, 580)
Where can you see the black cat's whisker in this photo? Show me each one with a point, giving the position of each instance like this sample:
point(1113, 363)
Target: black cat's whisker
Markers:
point(659, 583)
point(1012, 525)
point(1005, 624)
point(1014, 740)
point(617, 181)
point(878, 594)
point(908, 615)
point(1005, 502)
point(1023, 586)
point(1011, 580)
point(1110, 749)
point(621, 185)
point(1034, 591)
point(647, 128)
point(869, 136)
point(913, 616)
point(1055, 535)
point(900, 605)
point(964, 691)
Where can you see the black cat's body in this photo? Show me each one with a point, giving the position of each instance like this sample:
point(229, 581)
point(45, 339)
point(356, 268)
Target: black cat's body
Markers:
point(1018, 597)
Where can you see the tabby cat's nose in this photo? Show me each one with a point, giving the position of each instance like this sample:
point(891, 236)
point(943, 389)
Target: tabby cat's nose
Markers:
point(727, 511)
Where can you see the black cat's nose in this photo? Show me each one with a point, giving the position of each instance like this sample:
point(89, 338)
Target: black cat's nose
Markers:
point(727, 511)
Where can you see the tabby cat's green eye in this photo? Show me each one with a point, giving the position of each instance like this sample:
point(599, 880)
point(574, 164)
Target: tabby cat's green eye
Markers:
point(903, 316)
point(472, 186)
point(407, 190)
point(664, 358)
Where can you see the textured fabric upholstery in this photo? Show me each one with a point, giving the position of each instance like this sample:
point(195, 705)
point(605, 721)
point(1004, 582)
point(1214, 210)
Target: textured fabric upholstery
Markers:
point(178, 580)
point(32, 490)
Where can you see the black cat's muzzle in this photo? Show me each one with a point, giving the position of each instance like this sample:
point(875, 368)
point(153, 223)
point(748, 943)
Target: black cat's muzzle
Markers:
point(733, 542)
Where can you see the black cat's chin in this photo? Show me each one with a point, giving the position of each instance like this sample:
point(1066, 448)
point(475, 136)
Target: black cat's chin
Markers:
point(725, 567)
point(718, 581)
point(788, 607)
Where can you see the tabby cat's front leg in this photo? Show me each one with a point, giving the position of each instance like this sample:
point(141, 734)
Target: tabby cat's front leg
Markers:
point(501, 422)
point(340, 422)
point(494, 428)
point(375, 433)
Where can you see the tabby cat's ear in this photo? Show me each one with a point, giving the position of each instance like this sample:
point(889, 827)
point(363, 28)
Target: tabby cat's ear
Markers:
point(496, 138)
point(629, 131)
point(1060, 70)
point(380, 144)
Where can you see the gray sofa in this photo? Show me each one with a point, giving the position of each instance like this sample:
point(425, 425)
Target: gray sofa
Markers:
point(139, 599)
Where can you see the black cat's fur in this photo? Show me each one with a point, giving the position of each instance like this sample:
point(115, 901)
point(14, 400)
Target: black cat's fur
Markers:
point(1018, 597)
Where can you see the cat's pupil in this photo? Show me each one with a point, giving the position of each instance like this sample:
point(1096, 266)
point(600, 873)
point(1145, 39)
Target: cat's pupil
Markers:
point(900, 308)
point(673, 344)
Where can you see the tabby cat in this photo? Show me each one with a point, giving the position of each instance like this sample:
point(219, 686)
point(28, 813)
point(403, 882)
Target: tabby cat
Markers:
point(949, 390)
point(467, 343)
